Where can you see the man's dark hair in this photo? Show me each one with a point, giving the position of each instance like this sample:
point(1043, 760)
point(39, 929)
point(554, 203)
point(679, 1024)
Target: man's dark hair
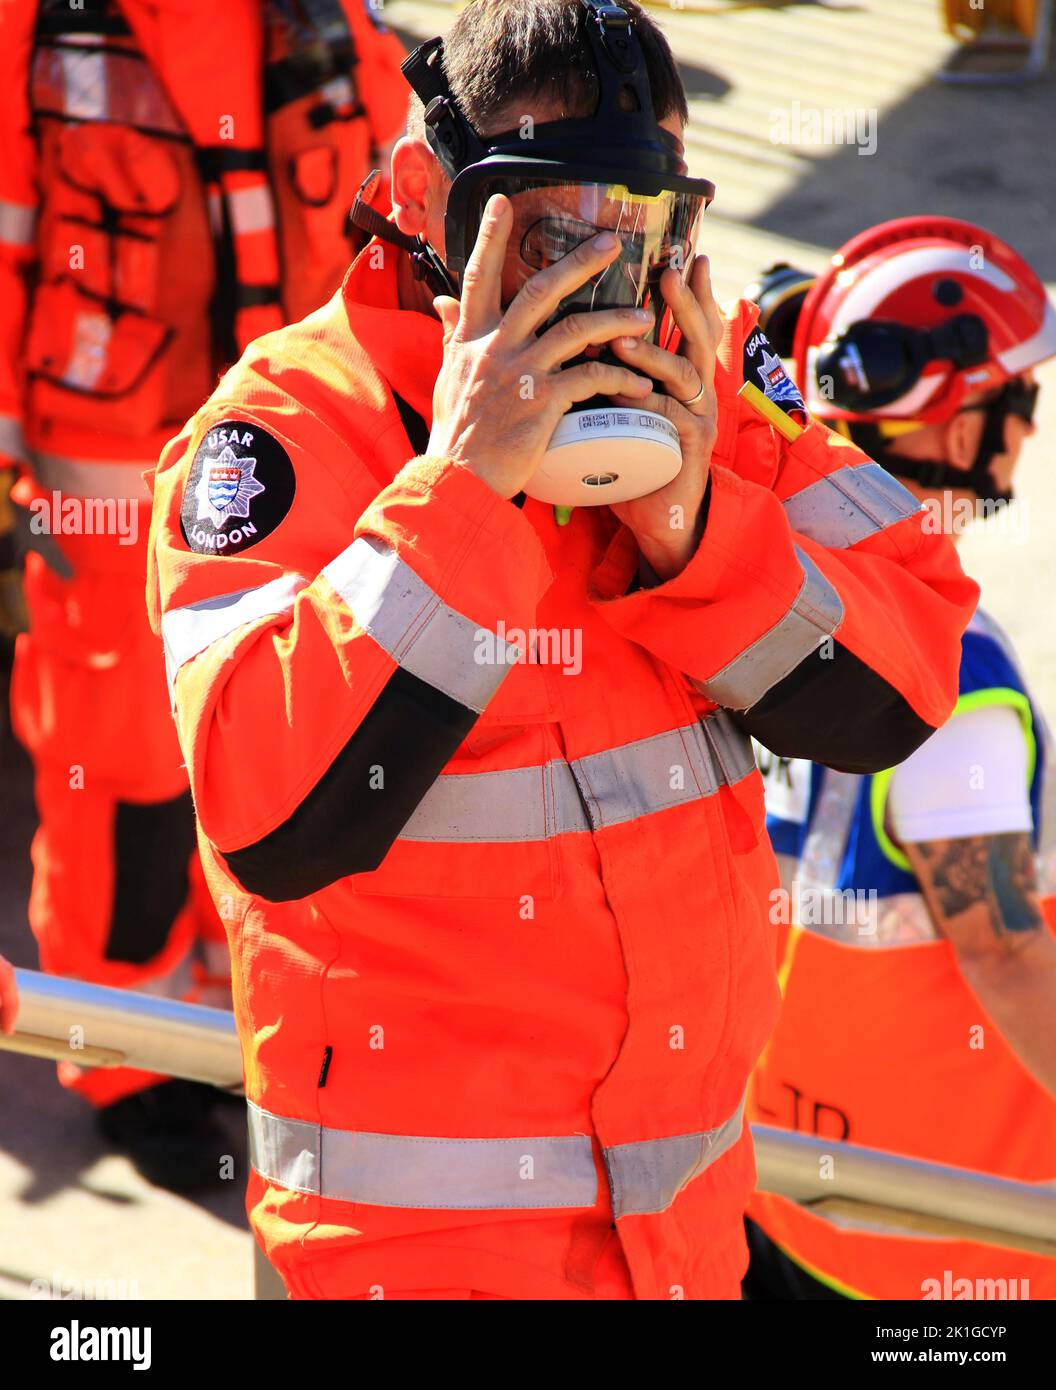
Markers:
point(503, 53)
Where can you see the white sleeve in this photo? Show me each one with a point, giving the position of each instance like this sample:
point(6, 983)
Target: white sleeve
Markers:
point(970, 778)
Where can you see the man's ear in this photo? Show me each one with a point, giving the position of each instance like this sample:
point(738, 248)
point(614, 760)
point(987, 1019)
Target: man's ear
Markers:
point(414, 172)
point(960, 437)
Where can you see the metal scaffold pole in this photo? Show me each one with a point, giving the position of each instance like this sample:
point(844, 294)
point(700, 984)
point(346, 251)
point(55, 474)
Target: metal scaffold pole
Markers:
point(97, 1026)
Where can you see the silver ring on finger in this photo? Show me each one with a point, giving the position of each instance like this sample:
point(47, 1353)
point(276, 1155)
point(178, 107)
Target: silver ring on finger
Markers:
point(695, 400)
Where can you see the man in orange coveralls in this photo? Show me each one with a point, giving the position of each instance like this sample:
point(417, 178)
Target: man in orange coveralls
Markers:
point(478, 785)
point(176, 179)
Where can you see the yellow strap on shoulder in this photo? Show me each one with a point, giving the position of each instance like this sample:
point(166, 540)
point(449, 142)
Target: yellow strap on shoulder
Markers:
point(764, 406)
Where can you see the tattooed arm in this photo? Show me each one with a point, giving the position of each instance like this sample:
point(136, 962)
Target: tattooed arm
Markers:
point(982, 896)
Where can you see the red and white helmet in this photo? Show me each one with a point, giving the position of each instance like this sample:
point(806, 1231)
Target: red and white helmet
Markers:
point(915, 315)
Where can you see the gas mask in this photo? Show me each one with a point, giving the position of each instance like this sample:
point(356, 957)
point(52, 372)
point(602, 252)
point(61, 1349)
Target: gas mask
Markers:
point(616, 171)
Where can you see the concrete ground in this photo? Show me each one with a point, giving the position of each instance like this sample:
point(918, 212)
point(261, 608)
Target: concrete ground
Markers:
point(760, 75)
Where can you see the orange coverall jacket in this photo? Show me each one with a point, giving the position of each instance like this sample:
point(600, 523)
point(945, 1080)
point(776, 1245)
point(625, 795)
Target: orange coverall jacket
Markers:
point(503, 959)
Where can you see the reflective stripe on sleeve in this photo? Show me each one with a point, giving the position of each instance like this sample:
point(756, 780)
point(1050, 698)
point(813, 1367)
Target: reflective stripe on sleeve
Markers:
point(850, 505)
point(12, 442)
point(251, 209)
point(647, 1176)
point(419, 1172)
point(395, 1170)
point(18, 223)
point(418, 630)
point(188, 631)
point(605, 789)
point(86, 91)
point(104, 479)
point(816, 613)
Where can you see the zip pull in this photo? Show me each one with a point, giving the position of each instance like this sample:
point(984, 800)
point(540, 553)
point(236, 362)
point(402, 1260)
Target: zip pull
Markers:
point(563, 515)
point(328, 1054)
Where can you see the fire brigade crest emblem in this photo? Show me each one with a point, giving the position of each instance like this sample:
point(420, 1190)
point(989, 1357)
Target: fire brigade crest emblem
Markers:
point(777, 384)
point(227, 487)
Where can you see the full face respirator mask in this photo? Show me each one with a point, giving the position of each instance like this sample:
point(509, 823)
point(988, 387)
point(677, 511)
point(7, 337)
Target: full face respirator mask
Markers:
point(615, 171)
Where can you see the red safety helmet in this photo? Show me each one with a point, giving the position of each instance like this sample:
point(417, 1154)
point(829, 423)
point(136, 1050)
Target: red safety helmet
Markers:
point(914, 316)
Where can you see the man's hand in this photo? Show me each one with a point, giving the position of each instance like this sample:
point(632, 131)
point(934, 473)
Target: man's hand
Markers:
point(501, 390)
point(668, 523)
point(8, 997)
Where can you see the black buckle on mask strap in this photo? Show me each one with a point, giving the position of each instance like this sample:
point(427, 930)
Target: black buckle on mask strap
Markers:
point(453, 140)
point(426, 264)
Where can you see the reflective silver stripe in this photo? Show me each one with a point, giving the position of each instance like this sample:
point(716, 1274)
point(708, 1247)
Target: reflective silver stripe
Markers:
point(647, 1176)
point(558, 798)
point(816, 613)
point(830, 825)
point(850, 917)
point(417, 629)
point(85, 89)
point(669, 769)
point(395, 1170)
point(89, 351)
point(251, 209)
point(99, 478)
point(177, 984)
point(849, 505)
point(17, 223)
point(11, 441)
point(214, 956)
point(858, 920)
point(188, 631)
point(518, 804)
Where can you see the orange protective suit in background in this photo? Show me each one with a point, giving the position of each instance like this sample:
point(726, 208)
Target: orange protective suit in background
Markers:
point(175, 181)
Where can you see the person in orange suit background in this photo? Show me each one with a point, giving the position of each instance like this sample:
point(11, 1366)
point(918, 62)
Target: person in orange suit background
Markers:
point(8, 997)
point(176, 180)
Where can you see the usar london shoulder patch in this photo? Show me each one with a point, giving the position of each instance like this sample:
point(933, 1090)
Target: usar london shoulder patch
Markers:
point(241, 486)
point(764, 369)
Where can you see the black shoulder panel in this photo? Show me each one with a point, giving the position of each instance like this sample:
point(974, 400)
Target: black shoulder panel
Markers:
point(835, 710)
point(346, 825)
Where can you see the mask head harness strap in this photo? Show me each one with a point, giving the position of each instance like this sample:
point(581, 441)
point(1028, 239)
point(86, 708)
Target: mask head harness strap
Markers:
point(619, 142)
point(625, 98)
point(426, 264)
point(451, 137)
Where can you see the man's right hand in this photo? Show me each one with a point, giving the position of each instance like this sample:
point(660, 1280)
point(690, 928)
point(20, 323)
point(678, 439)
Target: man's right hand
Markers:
point(502, 389)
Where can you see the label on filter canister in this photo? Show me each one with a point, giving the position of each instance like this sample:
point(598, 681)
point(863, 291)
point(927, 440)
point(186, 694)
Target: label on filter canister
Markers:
point(616, 424)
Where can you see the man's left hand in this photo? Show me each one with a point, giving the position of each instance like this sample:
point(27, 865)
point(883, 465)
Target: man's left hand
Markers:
point(669, 523)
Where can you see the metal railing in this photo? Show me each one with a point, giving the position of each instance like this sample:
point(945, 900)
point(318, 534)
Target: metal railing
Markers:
point(96, 1026)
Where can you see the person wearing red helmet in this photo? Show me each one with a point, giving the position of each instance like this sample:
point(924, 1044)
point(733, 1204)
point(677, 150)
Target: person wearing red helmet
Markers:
point(920, 966)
